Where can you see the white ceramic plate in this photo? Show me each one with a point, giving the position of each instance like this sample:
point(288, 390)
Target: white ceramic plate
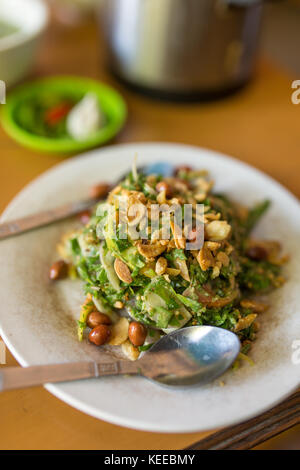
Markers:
point(37, 318)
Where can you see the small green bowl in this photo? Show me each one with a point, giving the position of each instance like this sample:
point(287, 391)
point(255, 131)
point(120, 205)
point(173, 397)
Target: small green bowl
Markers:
point(111, 103)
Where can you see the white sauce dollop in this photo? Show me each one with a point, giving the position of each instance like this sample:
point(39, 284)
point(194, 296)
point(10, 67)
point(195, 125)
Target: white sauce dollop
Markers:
point(85, 118)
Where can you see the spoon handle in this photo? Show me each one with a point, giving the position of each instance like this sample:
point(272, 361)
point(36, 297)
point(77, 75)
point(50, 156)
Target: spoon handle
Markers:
point(40, 219)
point(24, 224)
point(19, 377)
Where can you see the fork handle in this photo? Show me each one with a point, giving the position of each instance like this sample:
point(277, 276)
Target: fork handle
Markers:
point(22, 377)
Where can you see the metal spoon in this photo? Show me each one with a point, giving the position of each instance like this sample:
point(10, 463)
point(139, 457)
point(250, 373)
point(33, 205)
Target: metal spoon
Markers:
point(192, 355)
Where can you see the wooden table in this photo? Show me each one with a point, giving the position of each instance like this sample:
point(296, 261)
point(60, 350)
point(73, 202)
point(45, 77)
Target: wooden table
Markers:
point(259, 125)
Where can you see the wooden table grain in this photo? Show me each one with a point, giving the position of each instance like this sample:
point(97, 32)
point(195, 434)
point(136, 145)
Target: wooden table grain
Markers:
point(259, 125)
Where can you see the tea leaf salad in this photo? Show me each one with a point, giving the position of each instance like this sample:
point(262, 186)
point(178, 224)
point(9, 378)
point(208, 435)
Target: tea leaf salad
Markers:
point(156, 282)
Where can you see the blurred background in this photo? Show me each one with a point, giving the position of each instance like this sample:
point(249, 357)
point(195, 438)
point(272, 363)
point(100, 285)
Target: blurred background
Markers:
point(214, 73)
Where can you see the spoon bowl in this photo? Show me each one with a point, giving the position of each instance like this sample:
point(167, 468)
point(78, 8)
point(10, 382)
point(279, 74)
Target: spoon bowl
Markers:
point(192, 355)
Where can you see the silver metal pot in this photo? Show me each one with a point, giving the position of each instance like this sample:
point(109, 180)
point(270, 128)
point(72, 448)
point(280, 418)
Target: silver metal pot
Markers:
point(182, 48)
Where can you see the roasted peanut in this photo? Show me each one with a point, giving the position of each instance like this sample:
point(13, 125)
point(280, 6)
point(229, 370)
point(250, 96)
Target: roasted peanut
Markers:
point(100, 335)
point(97, 318)
point(58, 270)
point(137, 333)
point(84, 217)
point(99, 191)
point(257, 252)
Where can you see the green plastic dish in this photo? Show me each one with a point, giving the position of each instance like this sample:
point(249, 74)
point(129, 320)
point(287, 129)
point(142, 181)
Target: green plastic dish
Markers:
point(112, 105)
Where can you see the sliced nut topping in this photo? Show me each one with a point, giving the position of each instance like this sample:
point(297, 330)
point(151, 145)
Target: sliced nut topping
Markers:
point(200, 197)
point(245, 322)
point(213, 216)
point(181, 264)
point(130, 351)
point(161, 198)
point(213, 246)
point(122, 271)
point(217, 230)
point(114, 191)
point(171, 245)
point(228, 248)
point(180, 241)
point(216, 269)
point(161, 266)
point(151, 251)
point(205, 258)
point(119, 332)
point(135, 197)
point(163, 234)
point(173, 272)
point(208, 257)
point(257, 307)
point(223, 258)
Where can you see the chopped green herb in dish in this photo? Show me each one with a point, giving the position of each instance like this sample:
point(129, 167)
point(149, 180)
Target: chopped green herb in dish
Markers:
point(60, 116)
point(160, 283)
